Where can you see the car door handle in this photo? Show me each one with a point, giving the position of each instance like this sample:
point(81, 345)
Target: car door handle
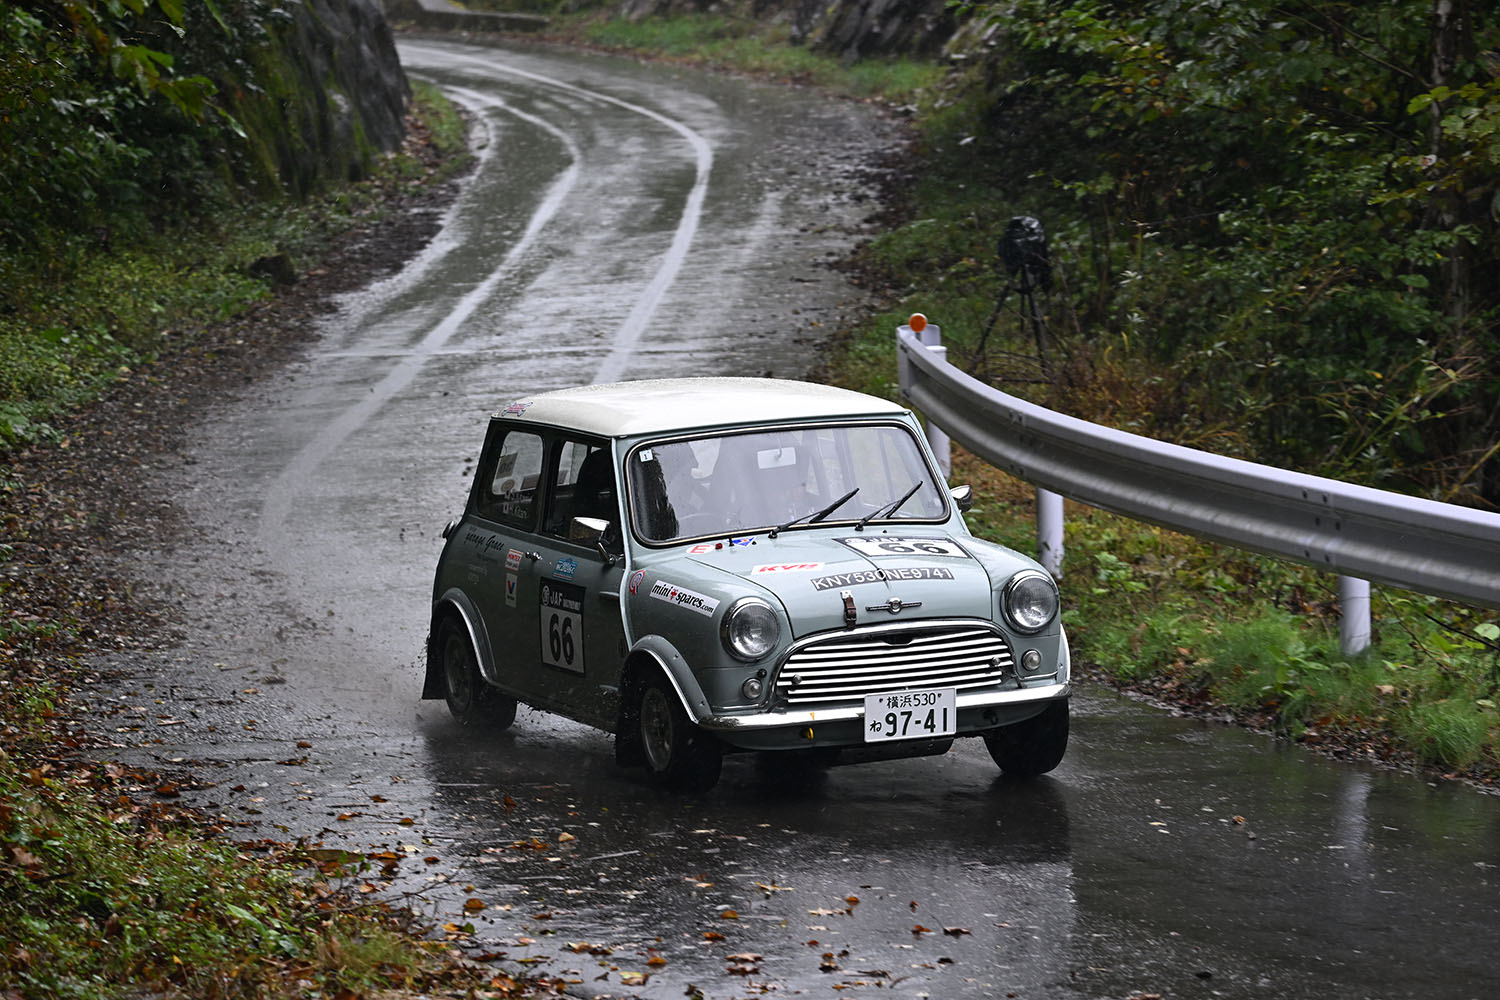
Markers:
point(533, 556)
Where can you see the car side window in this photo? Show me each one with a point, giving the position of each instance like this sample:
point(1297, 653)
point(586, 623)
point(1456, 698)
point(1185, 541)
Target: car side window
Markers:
point(509, 493)
point(583, 486)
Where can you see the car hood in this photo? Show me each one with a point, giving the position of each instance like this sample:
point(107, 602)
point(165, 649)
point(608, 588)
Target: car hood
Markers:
point(891, 576)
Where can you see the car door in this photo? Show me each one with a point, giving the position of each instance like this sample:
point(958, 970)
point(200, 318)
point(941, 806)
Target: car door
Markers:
point(501, 529)
point(572, 589)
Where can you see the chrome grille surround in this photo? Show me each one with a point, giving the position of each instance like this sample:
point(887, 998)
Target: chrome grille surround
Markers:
point(834, 668)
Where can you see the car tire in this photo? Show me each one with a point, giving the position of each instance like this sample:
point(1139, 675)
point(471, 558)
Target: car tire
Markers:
point(677, 754)
point(471, 700)
point(1035, 746)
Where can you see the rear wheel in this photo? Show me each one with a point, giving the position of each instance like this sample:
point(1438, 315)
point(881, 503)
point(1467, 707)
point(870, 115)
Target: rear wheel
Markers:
point(471, 701)
point(677, 753)
point(1036, 746)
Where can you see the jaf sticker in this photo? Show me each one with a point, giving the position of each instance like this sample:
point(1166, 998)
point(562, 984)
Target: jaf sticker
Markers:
point(562, 626)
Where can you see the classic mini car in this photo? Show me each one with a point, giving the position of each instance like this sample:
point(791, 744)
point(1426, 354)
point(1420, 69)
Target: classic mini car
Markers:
point(710, 565)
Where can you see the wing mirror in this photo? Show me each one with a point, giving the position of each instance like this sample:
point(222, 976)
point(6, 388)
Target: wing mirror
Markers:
point(601, 534)
point(963, 497)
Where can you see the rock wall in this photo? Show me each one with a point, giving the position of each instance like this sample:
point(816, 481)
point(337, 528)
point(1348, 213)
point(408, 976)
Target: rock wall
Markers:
point(850, 29)
point(329, 96)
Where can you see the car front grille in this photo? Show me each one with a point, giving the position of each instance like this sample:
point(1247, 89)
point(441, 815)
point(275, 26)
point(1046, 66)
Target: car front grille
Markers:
point(846, 667)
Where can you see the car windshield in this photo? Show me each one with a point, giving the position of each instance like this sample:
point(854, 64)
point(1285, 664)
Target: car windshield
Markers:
point(761, 480)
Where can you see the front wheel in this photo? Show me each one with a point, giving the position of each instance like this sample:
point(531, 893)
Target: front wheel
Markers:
point(1036, 746)
point(677, 753)
point(470, 700)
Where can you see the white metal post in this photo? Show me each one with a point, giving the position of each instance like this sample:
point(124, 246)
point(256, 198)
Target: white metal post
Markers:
point(1354, 615)
point(1049, 531)
point(931, 337)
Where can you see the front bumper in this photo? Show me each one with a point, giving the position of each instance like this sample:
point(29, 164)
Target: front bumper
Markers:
point(843, 725)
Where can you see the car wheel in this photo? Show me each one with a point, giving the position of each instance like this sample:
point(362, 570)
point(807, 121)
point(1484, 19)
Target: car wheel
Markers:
point(470, 700)
point(677, 753)
point(1036, 746)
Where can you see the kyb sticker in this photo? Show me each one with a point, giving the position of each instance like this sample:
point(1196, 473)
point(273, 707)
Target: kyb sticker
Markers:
point(684, 598)
point(877, 546)
point(808, 567)
point(835, 580)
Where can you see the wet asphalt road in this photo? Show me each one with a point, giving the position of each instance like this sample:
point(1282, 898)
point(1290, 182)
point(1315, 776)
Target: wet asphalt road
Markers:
point(630, 221)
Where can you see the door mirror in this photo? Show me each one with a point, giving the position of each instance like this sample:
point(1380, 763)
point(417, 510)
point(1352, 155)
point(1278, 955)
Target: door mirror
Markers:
point(963, 497)
point(587, 530)
point(599, 533)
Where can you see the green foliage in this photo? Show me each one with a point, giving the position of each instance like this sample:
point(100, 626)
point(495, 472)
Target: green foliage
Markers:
point(75, 321)
point(1275, 204)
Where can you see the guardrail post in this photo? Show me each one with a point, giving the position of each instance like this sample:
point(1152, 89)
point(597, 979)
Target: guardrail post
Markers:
point(931, 337)
point(1049, 531)
point(1354, 615)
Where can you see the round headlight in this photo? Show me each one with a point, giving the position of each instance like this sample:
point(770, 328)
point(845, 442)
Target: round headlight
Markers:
point(751, 629)
point(1030, 600)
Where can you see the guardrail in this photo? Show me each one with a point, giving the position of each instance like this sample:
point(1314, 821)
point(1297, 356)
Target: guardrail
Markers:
point(1360, 533)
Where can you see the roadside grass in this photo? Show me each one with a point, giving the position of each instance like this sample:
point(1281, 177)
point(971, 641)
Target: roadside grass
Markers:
point(107, 900)
point(745, 45)
point(106, 889)
point(79, 314)
point(1226, 632)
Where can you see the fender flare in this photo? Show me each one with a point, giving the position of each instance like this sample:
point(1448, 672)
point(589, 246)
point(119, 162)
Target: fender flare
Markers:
point(456, 602)
point(657, 651)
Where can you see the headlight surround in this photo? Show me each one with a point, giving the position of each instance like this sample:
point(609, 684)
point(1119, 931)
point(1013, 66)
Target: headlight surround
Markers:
point(750, 629)
point(1029, 601)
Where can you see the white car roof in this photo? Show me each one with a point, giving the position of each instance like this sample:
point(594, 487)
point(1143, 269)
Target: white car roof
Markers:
point(625, 409)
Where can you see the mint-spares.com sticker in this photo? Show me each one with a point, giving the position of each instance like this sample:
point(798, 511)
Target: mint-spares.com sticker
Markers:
point(684, 598)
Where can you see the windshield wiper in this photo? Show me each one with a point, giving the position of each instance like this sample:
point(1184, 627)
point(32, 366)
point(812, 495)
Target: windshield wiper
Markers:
point(889, 508)
point(815, 516)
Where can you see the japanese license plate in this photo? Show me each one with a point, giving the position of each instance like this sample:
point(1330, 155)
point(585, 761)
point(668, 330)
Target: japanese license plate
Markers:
point(910, 715)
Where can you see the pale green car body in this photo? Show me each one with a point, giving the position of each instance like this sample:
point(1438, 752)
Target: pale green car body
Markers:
point(712, 565)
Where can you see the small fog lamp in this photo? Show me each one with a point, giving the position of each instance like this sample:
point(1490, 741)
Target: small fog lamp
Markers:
point(1031, 659)
point(752, 689)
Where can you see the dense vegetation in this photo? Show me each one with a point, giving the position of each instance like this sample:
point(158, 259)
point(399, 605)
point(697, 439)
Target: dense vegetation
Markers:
point(1273, 233)
point(1274, 226)
point(131, 133)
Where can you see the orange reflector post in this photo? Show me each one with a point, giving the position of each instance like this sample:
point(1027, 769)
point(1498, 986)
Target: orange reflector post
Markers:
point(918, 322)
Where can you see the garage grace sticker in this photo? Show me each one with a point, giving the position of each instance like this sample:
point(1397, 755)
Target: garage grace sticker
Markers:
point(684, 598)
point(562, 625)
point(877, 546)
point(834, 580)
